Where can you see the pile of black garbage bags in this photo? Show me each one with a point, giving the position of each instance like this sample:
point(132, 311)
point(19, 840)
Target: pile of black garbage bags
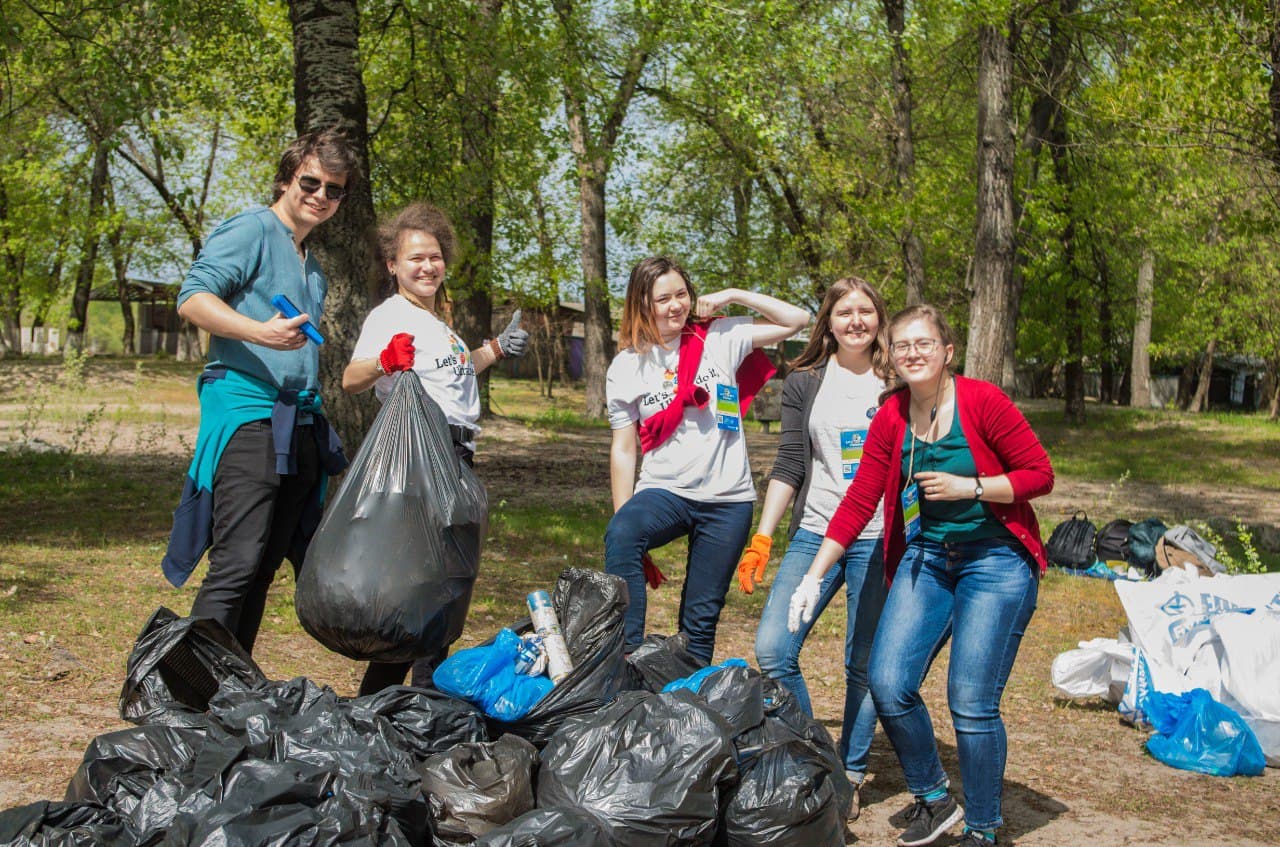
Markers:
point(220, 755)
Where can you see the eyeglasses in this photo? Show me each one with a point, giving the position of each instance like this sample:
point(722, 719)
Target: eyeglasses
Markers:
point(332, 191)
point(923, 346)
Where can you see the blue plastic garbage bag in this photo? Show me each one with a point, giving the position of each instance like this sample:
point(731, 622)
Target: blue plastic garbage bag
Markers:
point(694, 681)
point(1194, 732)
point(486, 677)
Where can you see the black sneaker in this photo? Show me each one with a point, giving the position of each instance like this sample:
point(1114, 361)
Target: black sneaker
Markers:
point(973, 838)
point(929, 820)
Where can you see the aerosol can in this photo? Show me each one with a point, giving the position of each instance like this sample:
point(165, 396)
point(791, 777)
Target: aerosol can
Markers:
point(547, 625)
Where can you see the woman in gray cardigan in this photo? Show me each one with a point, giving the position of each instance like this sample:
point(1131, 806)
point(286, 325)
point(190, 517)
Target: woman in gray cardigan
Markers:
point(827, 404)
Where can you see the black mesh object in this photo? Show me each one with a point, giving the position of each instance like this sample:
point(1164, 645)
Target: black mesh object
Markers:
point(590, 606)
point(176, 667)
point(389, 573)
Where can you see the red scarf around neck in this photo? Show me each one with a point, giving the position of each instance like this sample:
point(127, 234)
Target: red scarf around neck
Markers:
point(752, 374)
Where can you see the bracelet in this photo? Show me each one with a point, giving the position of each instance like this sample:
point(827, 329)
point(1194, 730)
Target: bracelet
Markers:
point(377, 363)
point(497, 349)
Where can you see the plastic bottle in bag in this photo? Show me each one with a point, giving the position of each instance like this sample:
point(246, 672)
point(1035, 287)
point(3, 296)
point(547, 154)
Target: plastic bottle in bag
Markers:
point(547, 625)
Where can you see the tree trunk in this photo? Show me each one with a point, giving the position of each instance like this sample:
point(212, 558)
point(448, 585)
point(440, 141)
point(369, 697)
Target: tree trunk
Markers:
point(120, 264)
point(904, 154)
point(1140, 369)
point(591, 155)
point(11, 285)
point(989, 319)
point(598, 323)
point(329, 92)
point(1200, 400)
point(473, 278)
point(77, 323)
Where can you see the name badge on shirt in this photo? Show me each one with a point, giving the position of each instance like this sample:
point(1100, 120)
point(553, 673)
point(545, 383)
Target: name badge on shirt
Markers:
point(728, 413)
point(911, 512)
point(851, 442)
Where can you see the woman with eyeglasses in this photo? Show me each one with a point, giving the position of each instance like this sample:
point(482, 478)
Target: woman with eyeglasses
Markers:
point(678, 390)
point(955, 463)
point(828, 401)
point(407, 330)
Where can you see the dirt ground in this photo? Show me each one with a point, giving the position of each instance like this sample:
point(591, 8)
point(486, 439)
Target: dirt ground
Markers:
point(1075, 774)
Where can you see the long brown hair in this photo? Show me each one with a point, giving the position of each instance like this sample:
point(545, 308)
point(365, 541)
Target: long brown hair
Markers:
point(419, 217)
point(637, 330)
point(822, 344)
point(920, 311)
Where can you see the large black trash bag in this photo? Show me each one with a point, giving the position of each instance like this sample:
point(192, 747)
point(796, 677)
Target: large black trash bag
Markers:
point(785, 721)
point(68, 824)
point(661, 659)
point(653, 768)
point(120, 767)
point(786, 796)
point(177, 664)
point(477, 787)
point(590, 605)
point(737, 695)
point(389, 572)
point(420, 721)
point(553, 827)
point(297, 722)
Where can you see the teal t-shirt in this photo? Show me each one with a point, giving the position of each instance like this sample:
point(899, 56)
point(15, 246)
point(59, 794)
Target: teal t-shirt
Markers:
point(248, 259)
point(950, 520)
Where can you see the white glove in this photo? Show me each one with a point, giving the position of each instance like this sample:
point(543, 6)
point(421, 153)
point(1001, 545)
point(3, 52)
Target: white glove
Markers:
point(804, 602)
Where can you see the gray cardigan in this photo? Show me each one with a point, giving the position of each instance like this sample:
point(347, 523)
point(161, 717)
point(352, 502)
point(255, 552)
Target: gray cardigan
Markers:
point(795, 452)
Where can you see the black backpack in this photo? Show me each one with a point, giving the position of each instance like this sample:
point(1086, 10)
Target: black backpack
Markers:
point(1112, 544)
point(1071, 544)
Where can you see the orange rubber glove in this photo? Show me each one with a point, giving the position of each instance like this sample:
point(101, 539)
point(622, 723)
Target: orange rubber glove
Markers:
point(753, 562)
point(652, 575)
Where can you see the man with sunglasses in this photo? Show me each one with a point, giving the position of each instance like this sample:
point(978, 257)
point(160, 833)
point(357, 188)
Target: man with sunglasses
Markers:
point(252, 493)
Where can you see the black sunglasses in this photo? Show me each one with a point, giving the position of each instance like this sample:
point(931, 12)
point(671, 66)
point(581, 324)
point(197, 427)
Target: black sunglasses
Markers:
point(332, 191)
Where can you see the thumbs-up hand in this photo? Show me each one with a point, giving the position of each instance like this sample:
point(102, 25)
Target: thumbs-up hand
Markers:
point(513, 341)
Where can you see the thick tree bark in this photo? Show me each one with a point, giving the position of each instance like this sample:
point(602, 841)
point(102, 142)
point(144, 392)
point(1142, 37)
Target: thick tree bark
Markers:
point(904, 153)
point(76, 326)
point(1140, 369)
point(472, 280)
point(329, 93)
point(989, 320)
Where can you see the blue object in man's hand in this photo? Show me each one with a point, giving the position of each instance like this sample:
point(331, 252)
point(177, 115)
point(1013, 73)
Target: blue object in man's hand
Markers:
point(286, 308)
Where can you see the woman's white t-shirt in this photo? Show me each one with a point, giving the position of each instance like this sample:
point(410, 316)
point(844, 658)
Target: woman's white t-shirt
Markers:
point(700, 461)
point(838, 421)
point(441, 359)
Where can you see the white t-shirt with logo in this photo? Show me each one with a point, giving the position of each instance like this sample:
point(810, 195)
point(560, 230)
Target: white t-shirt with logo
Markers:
point(441, 359)
point(700, 461)
point(838, 422)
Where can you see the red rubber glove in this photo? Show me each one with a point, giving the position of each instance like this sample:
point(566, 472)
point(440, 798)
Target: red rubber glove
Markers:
point(399, 353)
point(753, 562)
point(652, 575)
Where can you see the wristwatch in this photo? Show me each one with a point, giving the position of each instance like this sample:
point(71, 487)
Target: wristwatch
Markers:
point(977, 488)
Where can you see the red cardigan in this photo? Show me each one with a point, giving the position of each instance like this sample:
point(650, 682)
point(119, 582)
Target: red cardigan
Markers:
point(1001, 442)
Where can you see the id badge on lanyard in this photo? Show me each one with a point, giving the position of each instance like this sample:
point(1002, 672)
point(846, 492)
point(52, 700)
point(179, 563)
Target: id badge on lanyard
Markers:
point(728, 412)
point(851, 443)
point(911, 497)
point(911, 511)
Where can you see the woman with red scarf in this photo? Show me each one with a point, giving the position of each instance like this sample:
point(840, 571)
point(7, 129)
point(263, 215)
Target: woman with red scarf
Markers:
point(679, 388)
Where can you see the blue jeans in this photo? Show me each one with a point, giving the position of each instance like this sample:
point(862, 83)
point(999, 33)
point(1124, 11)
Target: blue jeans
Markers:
point(717, 535)
point(861, 572)
point(981, 594)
